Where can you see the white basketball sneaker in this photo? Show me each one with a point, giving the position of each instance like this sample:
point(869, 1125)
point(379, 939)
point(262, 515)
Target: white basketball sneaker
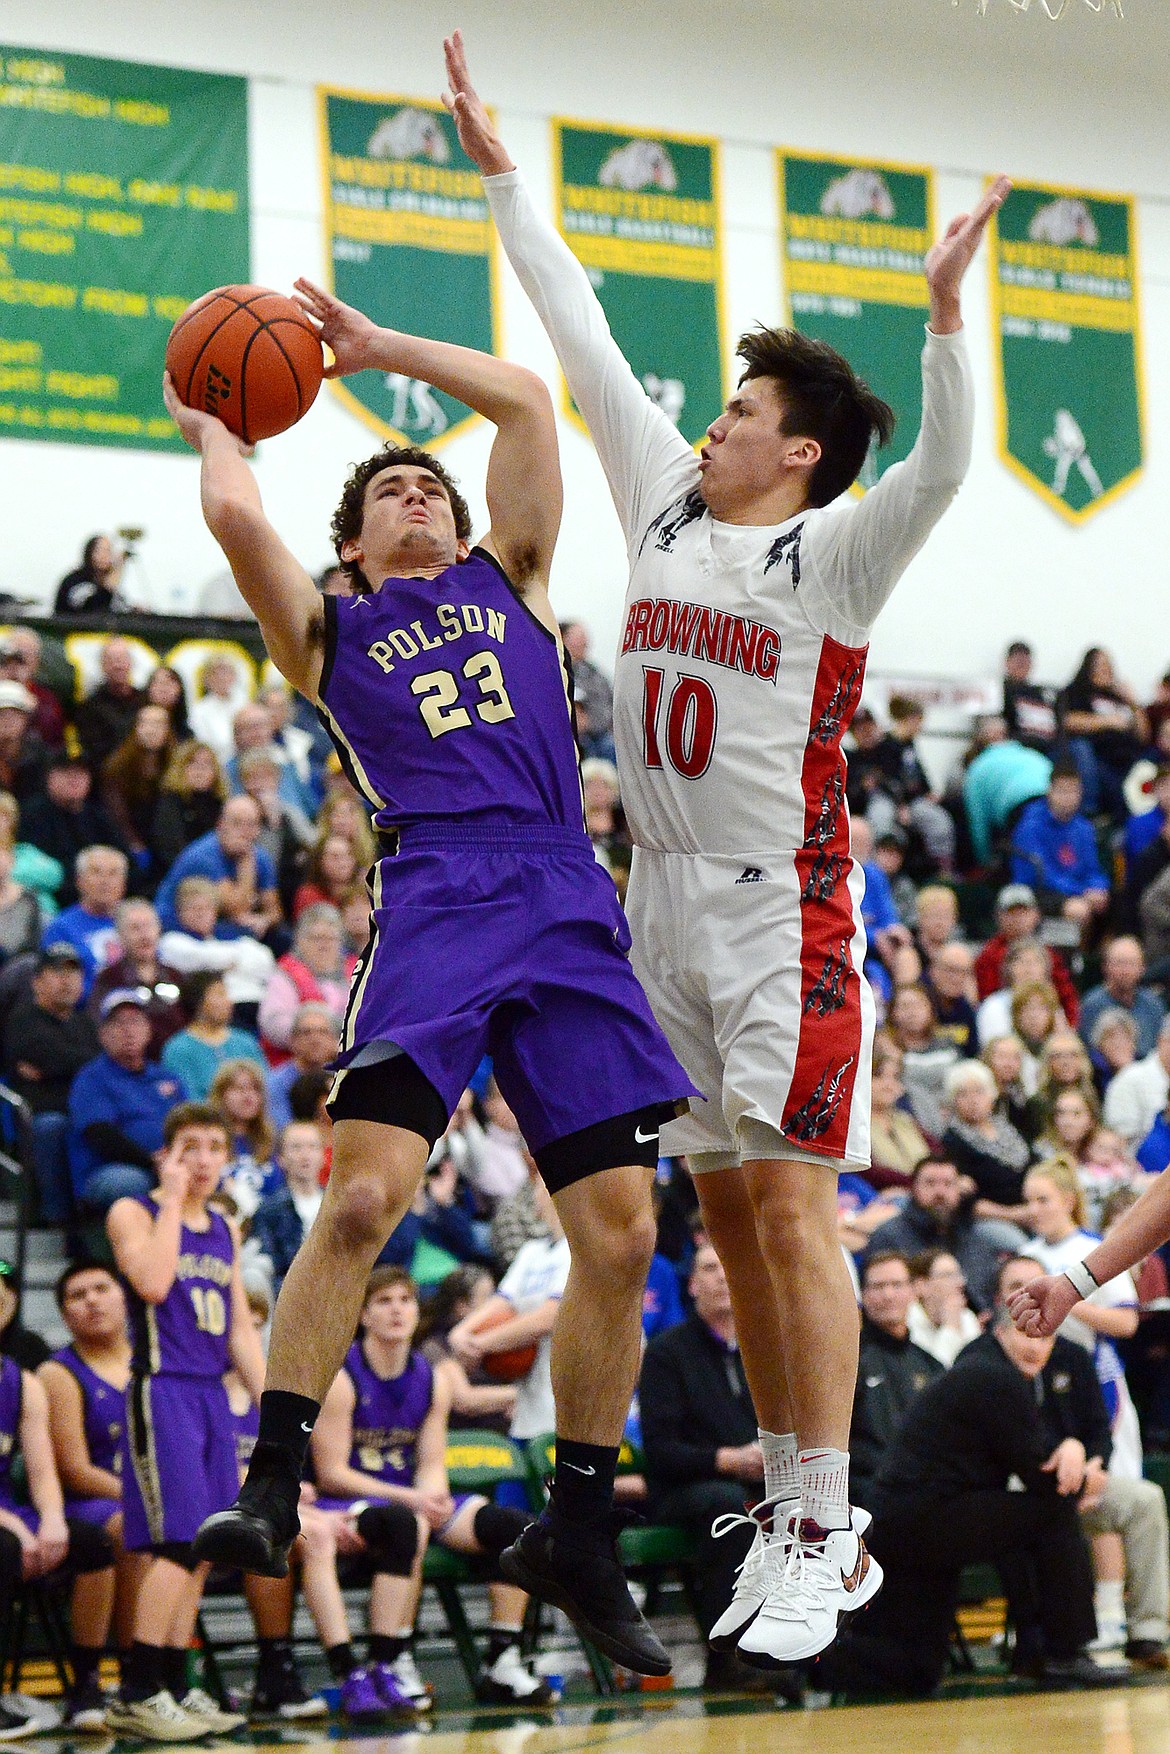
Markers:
point(760, 1569)
point(824, 1578)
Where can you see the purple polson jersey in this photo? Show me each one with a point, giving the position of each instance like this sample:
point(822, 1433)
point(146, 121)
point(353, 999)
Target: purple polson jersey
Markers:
point(187, 1333)
point(11, 1400)
point(103, 1410)
point(449, 701)
point(387, 1416)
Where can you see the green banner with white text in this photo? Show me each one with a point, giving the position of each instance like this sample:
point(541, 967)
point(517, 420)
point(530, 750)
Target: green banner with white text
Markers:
point(123, 196)
point(854, 233)
point(641, 214)
point(1064, 280)
point(411, 244)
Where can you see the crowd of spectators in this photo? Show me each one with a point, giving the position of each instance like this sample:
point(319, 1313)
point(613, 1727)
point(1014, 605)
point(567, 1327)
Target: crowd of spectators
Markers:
point(182, 905)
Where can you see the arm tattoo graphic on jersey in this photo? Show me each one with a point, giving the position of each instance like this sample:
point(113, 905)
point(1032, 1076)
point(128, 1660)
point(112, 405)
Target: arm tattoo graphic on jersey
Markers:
point(670, 523)
point(786, 547)
point(814, 1117)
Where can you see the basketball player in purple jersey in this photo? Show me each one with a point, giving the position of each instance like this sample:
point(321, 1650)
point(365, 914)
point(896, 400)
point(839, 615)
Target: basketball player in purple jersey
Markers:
point(86, 1383)
point(380, 1454)
point(444, 686)
point(179, 1261)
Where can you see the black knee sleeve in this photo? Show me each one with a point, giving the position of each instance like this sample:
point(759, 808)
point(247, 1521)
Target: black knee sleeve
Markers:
point(90, 1548)
point(391, 1534)
point(10, 1554)
point(496, 1526)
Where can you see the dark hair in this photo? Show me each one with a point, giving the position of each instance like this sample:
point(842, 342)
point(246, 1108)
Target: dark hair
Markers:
point(383, 1277)
point(1083, 677)
point(439, 1315)
point(194, 1114)
point(194, 988)
point(922, 1263)
point(929, 1163)
point(881, 1258)
point(87, 554)
point(305, 1093)
point(1019, 648)
point(824, 399)
point(1064, 770)
point(72, 1270)
point(346, 522)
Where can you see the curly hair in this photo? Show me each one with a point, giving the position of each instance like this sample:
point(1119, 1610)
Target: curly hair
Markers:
point(823, 399)
point(346, 523)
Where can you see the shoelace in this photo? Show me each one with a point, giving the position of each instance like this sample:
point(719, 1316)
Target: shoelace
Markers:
point(808, 1575)
point(768, 1554)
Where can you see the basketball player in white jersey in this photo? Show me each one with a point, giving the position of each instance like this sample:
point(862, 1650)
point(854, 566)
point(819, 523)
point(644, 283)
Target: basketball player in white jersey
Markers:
point(750, 604)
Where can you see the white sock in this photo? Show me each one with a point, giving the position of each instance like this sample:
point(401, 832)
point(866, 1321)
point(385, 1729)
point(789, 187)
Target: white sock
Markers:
point(824, 1487)
point(1109, 1599)
point(781, 1466)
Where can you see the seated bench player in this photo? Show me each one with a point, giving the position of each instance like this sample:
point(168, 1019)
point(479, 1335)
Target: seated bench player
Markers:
point(379, 1452)
point(86, 1383)
point(35, 1538)
point(179, 1260)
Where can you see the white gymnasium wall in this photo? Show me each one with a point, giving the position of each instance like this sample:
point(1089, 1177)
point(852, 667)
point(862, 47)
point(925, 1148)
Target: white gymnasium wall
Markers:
point(1080, 102)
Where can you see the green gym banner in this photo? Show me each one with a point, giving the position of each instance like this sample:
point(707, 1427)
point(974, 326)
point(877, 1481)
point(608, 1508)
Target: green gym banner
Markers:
point(1064, 293)
point(123, 196)
point(640, 212)
point(854, 233)
point(411, 244)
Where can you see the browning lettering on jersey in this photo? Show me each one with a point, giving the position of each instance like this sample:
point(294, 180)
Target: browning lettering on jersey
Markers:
point(692, 630)
point(840, 707)
point(828, 994)
point(786, 547)
point(814, 1117)
point(670, 523)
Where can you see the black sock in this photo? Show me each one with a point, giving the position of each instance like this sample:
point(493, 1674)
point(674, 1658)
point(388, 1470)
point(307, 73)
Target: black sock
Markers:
point(384, 1649)
point(273, 1655)
point(341, 1660)
point(582, 1486)
point(83, 1660)
point(174, 1670)
point(142, 1670)
point(286, 1424)
point(499, 1638)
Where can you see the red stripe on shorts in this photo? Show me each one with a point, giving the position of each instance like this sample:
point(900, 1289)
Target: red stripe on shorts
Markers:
point(820, 1097)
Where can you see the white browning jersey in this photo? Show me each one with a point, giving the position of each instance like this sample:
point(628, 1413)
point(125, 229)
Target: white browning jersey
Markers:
point(741, 665)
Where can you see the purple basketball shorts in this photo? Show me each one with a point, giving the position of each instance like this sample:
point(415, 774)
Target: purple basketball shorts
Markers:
point(510, 941)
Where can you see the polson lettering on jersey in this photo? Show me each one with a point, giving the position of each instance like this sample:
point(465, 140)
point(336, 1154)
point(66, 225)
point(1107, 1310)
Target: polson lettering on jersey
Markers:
point(693, 630)
point(450, 622)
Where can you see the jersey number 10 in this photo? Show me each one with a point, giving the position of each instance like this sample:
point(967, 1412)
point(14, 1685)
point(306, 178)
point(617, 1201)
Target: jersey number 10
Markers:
point(692, 715)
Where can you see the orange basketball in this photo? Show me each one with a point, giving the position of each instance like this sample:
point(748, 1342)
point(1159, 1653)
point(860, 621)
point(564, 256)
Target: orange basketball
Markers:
point(247, 355)
point(506, 1366)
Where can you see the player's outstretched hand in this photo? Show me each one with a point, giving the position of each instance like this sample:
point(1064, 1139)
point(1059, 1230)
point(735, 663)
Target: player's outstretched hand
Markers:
point(193, 424)
point(345, 331)
point(477, 134)
point(1039, 1307)
point(951, 257)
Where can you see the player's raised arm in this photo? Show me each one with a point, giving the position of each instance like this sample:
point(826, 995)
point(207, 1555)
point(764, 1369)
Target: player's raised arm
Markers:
point(638, 446)
point(273, 583)
point(524, 475)
point(863, 550)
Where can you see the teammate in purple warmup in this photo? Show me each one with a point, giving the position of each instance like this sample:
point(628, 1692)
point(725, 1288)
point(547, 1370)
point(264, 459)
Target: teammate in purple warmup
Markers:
point(189, 1316)
point(444, 686)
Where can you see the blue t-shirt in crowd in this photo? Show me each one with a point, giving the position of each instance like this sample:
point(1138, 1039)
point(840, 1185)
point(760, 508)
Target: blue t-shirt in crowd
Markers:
point(1141, 832)
point(137, 1103)
point(662, 1304)
point(1154, 1151)
point(205, 857)
point(91, 935)
point(197, 1062)
point(1050, 854)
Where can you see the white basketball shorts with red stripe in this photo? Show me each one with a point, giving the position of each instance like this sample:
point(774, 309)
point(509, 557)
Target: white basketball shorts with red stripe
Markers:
point(753, 968)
